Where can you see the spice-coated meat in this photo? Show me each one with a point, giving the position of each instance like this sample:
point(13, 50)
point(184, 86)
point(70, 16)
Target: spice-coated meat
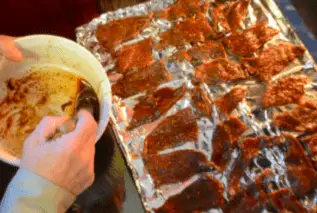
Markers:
point(231, 100)
point(227, 17)
point(111, 34)
point(253, 198)
point(203, 52)
point(285, 91)
point(251, 40)
point(311, 142)
point(135, 56)
point(250, 148)
point(175, 130)
point(226, 136)
point(302, 118)
point(193, 30)
point(219, 71)
point(284, 200)
point(201, 102)
point(300, 171)
point(176, 166)
point(154, 104)
point(202, 195)
point(183, 9)
point(136, 81)
point(273, 60)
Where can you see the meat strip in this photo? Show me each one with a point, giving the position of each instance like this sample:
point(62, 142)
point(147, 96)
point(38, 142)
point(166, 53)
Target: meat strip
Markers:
point(231, 100)
point(285, 91)
point(175, 130)
point(193, 30)
point(135, 56)
point(176, 166)
point(202, 195)
point(201, 102)
point(227, 17)
point(251, 40)
point(155, 104)
point(273, 60)
point(226, 136)
point(303, 118)
point(111, 34)
point(137, 81)
point(219, 71)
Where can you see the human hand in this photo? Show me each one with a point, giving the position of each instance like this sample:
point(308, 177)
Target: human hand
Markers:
point(8, 49)
point(67, 161)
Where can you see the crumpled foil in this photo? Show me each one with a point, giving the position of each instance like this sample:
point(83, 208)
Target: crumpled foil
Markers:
point(258, 120)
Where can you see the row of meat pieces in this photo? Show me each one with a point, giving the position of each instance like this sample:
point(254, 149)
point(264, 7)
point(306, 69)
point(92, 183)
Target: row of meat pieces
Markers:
point(261, 193)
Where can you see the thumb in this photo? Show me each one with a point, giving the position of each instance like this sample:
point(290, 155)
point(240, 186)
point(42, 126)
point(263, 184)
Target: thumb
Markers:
point(9, 49)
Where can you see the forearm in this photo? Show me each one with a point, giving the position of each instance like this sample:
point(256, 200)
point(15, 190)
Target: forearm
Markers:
point(29, 192)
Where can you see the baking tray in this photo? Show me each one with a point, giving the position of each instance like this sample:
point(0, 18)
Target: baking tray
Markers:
point(257, 119)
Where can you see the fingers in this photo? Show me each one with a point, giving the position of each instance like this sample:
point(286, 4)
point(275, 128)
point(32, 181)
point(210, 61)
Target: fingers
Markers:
point(86, 126)
point(48, 126)
point(9, 49)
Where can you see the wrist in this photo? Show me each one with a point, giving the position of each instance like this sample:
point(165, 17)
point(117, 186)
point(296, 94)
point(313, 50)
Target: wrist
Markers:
point(43, 189)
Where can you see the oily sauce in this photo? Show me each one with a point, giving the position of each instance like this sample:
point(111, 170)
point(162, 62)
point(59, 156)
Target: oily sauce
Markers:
point(45, 91)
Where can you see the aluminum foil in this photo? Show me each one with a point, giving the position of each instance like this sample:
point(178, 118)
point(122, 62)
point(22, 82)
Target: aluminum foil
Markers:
point(258, 120)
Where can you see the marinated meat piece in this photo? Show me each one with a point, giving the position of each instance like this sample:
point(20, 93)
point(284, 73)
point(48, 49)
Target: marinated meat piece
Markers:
point(225, 138)
point(207, 50)
point(285, 91)
point(300, 171)
point(193, 30)
point(250, 148)
point(202, 195)
point(175, 130)
point(227, 17)
point(111, 34)
point(220, 71)
point(155, 104)
point(263, 181)
point(311, 142)
point(176, 166)
point(284, 200)
point(183, 9)
point(273, 60)
point(135, 56)
point(201, 102)
point(137, 81)
point(252, 39)
point(253, 198)
point(230, 101)
point(301, 119)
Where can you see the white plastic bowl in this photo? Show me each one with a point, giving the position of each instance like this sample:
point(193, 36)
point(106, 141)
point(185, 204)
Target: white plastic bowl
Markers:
point(47, 50)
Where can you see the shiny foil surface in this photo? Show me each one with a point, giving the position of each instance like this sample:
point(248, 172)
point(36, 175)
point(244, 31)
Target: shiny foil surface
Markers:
point(250, 111)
